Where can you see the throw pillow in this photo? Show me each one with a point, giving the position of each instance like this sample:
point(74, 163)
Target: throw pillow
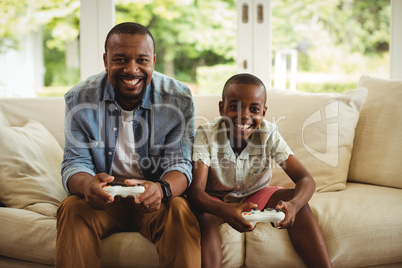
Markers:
point(3, 120)
point(319, 128)
point(377, 150)
point(30, 162)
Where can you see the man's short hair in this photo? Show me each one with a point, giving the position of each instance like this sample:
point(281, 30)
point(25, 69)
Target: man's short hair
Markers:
point(245, 79)
point(129, 28)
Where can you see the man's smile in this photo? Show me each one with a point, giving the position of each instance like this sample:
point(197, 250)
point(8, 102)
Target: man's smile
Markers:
point(131, 82)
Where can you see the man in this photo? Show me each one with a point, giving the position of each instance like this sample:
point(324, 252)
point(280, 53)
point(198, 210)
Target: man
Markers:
point(129, 125)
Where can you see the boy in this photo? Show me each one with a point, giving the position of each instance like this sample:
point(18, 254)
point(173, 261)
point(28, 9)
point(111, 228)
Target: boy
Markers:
point(232, 172)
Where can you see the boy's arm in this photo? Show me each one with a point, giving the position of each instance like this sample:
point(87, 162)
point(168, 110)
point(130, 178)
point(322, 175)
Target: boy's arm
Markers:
point(305, 185)
point(197, 196)
point(196, 193)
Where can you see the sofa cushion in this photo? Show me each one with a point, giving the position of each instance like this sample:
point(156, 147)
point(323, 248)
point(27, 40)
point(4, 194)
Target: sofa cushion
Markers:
point(30, 168)
point(27, 235)
point(319, 128)
point(3, 120)
point(361, 227)
point(377, 149)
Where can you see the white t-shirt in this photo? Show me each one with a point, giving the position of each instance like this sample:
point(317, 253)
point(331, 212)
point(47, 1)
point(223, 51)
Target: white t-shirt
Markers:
point(125, 161)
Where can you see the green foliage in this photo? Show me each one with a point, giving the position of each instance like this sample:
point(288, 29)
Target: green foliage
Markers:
point(211, 80)
point(326, 87)
point(56, 33)
point(187, 33)
point(346, 36)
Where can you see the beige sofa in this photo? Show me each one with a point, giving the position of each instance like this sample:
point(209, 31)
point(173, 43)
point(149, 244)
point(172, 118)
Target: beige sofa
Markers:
point(350, 142)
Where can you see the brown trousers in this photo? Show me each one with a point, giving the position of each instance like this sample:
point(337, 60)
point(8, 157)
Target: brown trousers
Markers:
point(173, 229)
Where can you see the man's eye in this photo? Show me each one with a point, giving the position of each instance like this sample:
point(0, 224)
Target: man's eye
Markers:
point(119, 60)
point(142, 60)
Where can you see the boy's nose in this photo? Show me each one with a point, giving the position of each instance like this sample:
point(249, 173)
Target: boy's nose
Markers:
point(245, 113)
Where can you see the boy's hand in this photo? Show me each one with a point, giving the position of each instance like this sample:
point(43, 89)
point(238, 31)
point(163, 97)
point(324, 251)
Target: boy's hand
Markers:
point(290, 213)
point(231, 213)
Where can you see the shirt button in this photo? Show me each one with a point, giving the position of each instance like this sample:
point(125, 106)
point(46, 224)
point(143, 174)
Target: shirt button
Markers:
point(115, 129)
point(109, 153)
point(97, 143)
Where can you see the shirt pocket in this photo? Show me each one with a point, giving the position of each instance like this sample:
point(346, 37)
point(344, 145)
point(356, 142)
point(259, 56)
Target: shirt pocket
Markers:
point(257, 164)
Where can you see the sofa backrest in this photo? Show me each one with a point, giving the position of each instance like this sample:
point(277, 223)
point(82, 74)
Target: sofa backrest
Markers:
point(48, 111)
point(304, 120)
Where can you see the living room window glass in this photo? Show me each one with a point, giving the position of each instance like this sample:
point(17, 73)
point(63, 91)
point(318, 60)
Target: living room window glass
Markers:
point(331, 43)
point(195, 39)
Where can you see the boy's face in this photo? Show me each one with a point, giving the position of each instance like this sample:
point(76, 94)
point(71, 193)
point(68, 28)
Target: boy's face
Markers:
point(243, 109)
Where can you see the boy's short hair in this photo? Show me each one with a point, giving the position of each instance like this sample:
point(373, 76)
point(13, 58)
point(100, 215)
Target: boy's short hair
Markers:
point(129, 28)
point(246, 79)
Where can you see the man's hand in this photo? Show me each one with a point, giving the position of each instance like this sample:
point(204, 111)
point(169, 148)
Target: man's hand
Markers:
point(93, 192)
point(151, 199)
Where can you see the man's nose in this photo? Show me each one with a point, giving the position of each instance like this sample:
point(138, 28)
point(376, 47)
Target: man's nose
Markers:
point(131, 67)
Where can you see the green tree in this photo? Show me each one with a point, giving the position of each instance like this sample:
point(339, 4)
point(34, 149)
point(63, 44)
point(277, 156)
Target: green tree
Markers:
point(187, 33)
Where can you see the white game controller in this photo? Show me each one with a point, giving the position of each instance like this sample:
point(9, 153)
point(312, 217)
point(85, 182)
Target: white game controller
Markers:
point(124, 192)
point(267, 215)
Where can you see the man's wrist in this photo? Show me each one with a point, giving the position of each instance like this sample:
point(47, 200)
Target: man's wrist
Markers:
point(166, 191)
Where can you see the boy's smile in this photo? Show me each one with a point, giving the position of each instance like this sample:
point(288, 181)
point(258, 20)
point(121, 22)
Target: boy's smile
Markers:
point(243, 109)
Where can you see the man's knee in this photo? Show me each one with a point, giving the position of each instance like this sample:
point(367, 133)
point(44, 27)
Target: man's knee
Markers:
point(70, 206)
point(178, 210)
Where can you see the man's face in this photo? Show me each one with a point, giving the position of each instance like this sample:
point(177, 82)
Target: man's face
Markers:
point(129, 61)
point(243, 110)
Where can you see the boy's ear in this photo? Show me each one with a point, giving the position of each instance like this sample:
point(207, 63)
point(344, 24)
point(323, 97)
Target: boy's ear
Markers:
point(265, 110)
point(221, 105)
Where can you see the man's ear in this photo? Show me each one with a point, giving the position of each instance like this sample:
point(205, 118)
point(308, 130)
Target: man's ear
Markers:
point(221, 105)
point(105, 61)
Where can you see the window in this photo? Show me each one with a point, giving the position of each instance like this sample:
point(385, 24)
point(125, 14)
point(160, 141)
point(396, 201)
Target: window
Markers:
point(38, 47)
point(330, 43)
point(195, 39)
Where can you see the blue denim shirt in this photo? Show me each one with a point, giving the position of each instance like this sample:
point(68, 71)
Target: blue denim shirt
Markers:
point(163, 128)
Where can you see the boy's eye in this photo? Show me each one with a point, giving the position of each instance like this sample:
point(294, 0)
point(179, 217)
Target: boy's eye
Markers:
point(255, 109)
point(234, 107)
